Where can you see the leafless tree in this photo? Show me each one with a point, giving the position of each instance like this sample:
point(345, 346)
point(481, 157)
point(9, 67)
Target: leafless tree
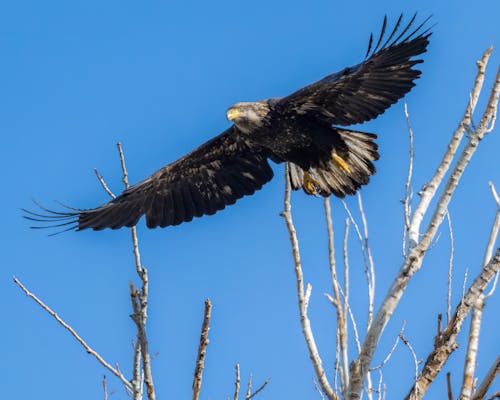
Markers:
point(355, 372)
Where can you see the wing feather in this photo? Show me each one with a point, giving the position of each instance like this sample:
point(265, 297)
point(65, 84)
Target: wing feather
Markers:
point(203, 182)
point(360, 93)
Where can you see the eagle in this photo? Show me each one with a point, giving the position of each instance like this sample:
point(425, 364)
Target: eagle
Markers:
point(305, 129)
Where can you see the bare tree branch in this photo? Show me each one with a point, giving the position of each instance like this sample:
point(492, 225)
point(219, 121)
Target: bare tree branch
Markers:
point(427, 194)
point(202, 350)
point(336, 301)
point(259, 389)
point(88, 349)
point(103, 184)
point(446, 343)
point(488, 380)
point(450, 267)
point(493, 237)
point(304, 319)
point(472, 347)
point(407, 199)
point(369, 264)
point(249, 387)
point(137, 376)
point(413, 354)
point(139, 299)
point(448, 386)
point(237, 382)
point(393, 349)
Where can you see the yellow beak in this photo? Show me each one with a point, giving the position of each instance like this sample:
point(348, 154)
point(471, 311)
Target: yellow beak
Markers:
point(233, 113)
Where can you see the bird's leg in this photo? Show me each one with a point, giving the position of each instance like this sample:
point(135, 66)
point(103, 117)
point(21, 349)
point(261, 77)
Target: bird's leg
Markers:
point(340, 163)
point(311, 185)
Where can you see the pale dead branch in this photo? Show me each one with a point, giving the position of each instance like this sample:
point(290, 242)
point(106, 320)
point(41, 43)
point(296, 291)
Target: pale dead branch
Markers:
point(237, 382)
point(250, 394)
point(427, 194)
point(88, 349)
point(342, 333)
point(413, 355)
point(450, 267)
point(446, 343)
point(407, 198)
point(202, 350)
point(301, 294)
point(472, 347)
point(448, 386)
point(139, 300)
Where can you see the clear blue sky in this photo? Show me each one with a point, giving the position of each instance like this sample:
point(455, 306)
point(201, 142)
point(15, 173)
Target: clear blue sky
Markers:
point(76, 77)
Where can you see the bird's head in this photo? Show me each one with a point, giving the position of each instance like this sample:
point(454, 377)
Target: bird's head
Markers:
point(248, 116)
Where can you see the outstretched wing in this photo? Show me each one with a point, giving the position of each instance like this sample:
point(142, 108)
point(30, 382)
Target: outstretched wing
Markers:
point(364, 91)
point(203, 182)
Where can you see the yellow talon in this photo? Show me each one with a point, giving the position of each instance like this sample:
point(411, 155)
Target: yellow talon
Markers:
point(310, 184)
point(340, 162)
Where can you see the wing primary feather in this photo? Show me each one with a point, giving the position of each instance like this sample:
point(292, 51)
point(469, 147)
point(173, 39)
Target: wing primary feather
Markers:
point(382, 32)
point(189, 207)
point(178, 206)
point(370, 42)
point(418, 28)
point(168, 209)
point(404, 30)
point(396, 27)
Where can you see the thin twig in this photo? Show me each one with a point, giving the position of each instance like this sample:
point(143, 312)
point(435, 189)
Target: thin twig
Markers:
point(450, 267)
point(259, 389)
point(78, 338)
point(249, 387)
point(370, 267)
point(105, 388)
point(413, 354)
point(448, 386)
point(493, 237)
point(342, 334)
point(393, 349)
point(316, 387)
point(202, 350)
point(103, 184)
point(407, 199)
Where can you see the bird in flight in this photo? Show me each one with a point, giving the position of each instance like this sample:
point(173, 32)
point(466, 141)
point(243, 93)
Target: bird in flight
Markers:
point(304, 129)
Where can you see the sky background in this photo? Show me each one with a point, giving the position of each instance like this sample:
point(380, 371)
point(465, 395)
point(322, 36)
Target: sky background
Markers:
point(77, 77)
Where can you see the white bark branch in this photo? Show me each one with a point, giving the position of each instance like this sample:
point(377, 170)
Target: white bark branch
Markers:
point(139, 300)
point(427, 194)
point(472, 347)
point(304, 319)
point(79, 339)
point(336, 301)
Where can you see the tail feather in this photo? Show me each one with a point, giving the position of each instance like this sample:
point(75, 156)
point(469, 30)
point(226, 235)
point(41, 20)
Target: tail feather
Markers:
point(340, 178)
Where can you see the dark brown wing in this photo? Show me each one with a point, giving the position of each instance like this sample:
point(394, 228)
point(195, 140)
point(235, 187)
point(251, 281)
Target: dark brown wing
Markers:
point(203, 182)
point(364, 91)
